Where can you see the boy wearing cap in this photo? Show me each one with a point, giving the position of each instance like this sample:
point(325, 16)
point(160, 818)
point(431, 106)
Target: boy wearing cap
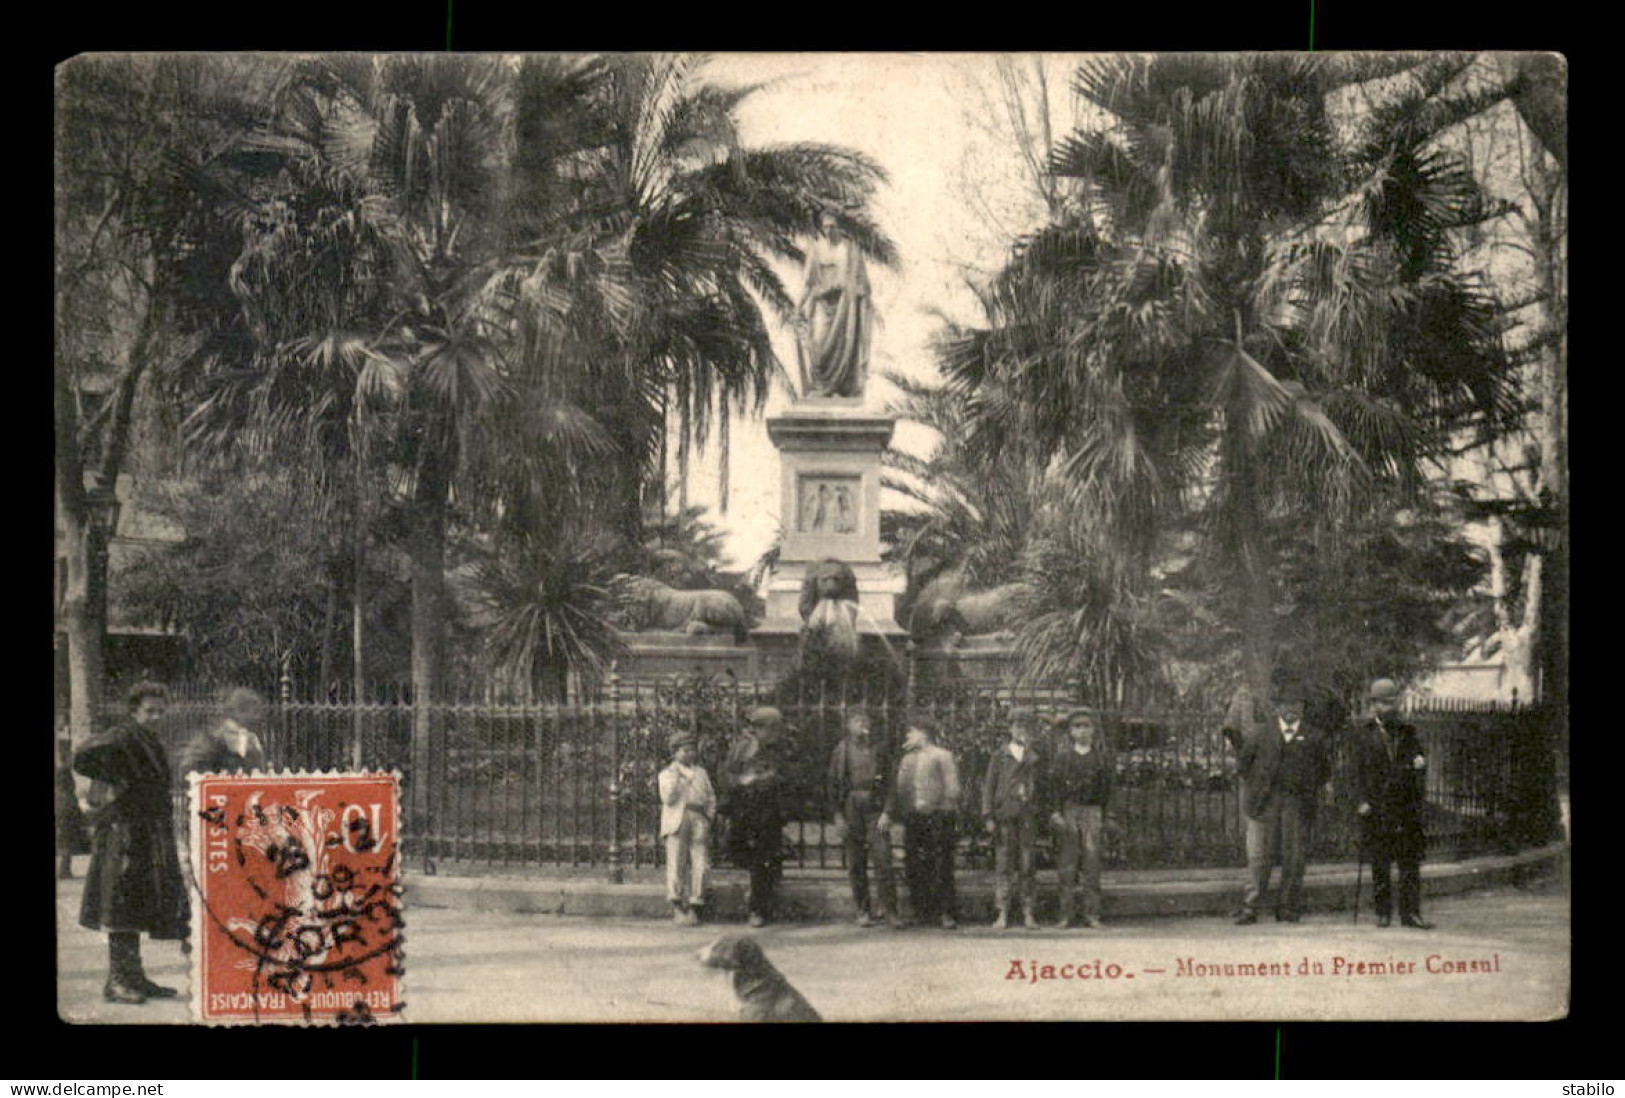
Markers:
point(1079, 785)
point(857, 780)
point(1010, 809)
point(687, 804)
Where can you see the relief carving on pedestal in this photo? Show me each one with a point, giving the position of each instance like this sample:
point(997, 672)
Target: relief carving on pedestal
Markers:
point(828, 505)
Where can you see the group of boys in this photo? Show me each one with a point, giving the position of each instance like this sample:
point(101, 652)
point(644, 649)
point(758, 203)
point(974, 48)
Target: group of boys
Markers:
point(1021, 789)
point(1284, 763)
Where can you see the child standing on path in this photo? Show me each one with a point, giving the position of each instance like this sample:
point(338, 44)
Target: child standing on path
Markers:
point(687, 806)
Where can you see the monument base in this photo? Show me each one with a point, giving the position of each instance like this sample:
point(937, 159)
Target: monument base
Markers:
point(879, 586)
point(657, 655)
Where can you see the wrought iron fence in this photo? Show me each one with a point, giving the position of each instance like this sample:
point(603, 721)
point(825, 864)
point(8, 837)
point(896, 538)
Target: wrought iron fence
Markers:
point(574, 785)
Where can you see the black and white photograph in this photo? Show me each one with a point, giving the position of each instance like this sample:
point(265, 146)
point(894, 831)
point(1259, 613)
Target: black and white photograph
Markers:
point(798, 537)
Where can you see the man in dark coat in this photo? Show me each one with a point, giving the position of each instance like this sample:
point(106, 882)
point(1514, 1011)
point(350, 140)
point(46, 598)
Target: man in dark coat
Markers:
point(1390, 771)
point(753, 791)
point(134, 883)
point(1284, 762)
point(858, 773)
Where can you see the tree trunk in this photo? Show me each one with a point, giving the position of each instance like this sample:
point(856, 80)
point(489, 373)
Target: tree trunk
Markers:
point(1552, 629)
point(330, 615)
point(665, 456)
point(358, 661)
point(682, 470)
point(1517, 652)
point(1258, 635)
point(84, 620)
point(1250, 566)
point(724, 455)
point(427, 549)
point(358, 605)
point(555, 682)
point(84, 544)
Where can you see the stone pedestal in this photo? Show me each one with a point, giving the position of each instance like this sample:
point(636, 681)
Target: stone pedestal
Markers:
point(989, 661)
point(656, 656)
point(829, 493)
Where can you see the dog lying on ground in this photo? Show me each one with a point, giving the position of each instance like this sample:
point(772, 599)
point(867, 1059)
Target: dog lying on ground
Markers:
point(764, 994)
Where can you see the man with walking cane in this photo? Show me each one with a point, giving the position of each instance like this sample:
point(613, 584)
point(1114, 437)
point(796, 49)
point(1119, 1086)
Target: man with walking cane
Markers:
point(1389, 770)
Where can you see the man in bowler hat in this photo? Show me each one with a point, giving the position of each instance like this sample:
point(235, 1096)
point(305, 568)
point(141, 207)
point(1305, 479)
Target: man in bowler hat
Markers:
point(1390, 772)
point(1284, 762)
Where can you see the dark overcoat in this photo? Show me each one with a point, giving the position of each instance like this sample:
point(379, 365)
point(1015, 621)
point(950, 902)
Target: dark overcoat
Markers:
point(1010, 789)
point(134, 882)
point(1390, 781)
point(752, 798)
point(1261, 755)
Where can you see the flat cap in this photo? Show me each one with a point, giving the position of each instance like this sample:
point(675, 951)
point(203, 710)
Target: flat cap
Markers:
point(682, 739)
point(764, 716)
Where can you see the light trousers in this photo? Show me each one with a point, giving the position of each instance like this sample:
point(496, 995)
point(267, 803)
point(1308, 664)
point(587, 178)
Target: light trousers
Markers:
point(688, 859)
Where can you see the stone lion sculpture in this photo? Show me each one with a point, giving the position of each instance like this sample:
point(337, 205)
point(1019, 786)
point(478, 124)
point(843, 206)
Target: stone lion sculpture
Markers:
point(946, 608)
point(829, 609)
point(653, 605)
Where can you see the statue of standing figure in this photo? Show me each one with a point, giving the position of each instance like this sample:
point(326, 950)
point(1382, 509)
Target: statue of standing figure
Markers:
point(836, 315)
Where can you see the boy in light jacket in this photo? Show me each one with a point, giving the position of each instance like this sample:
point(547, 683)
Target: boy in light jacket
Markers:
point(687, 806)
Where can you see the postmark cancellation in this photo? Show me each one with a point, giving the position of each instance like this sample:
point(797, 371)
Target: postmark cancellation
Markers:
point(298, 916)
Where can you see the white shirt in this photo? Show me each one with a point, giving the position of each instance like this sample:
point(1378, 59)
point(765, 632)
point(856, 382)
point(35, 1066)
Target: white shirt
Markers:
point(240, 739)
point(682, 788)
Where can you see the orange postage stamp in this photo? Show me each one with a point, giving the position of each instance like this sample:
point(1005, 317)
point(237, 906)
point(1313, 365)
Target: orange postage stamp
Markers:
point(299, 917)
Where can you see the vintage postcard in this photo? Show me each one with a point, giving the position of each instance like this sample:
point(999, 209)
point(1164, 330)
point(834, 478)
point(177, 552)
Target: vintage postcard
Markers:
point(795, 537)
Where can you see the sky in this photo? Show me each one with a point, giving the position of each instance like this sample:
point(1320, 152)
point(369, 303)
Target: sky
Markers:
point(935, 123)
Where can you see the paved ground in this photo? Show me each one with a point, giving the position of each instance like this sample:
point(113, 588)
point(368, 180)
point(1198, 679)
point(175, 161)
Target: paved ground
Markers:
point(464, 966)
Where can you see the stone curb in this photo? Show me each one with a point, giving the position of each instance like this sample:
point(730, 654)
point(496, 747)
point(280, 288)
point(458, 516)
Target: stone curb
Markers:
point(823, 894)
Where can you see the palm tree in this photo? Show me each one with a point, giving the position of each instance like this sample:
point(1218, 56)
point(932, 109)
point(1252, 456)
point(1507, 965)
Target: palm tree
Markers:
point(362, 283)
point(968, 518)
point(470, 253)
point(547, 609)
point(668, 227)
point(1250, 316)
